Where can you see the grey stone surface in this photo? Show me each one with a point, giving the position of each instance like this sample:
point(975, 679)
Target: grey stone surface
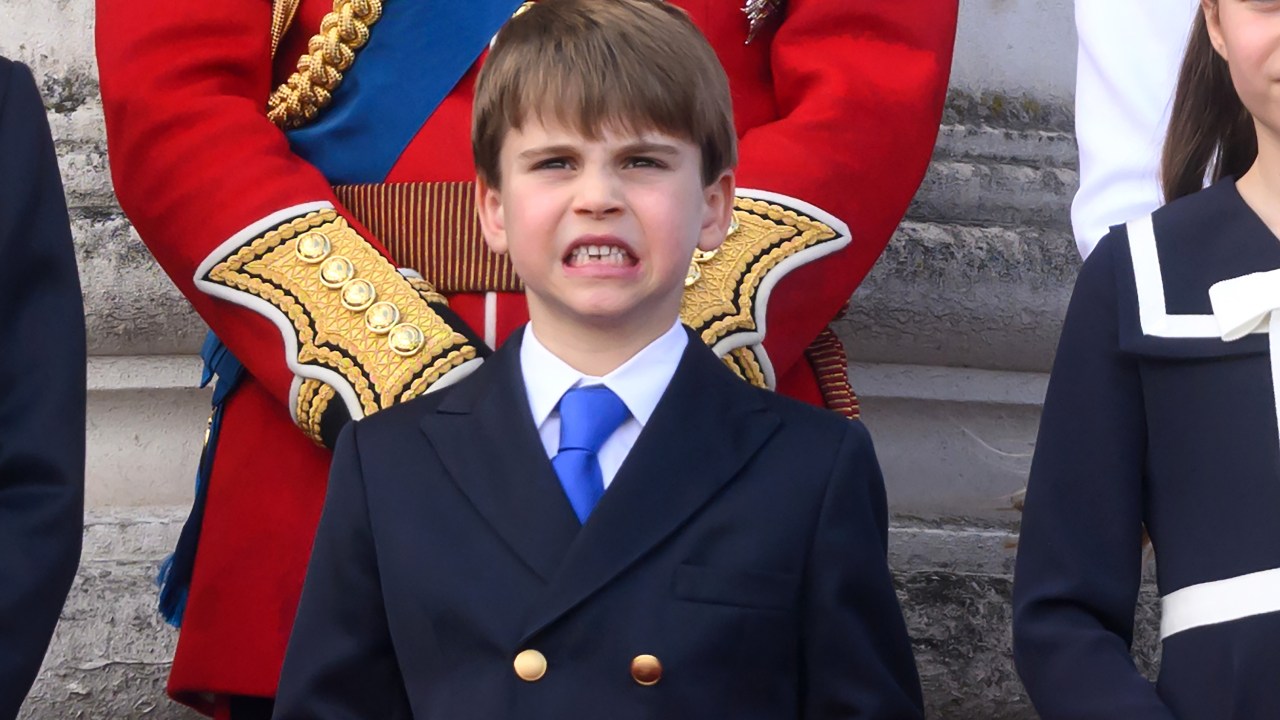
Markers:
point(111, 652)
point(131, 307)
point(943, 459)
point(964, 296)
point(980, 273)
point(1016, 45)
point(144, 445)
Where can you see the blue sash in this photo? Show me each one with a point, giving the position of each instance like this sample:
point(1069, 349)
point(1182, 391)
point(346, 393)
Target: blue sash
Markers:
point(174, 578)
point(417, 53)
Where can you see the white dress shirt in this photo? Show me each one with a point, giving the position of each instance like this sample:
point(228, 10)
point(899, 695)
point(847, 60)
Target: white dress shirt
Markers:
point(1126, 70)
point(639, 383)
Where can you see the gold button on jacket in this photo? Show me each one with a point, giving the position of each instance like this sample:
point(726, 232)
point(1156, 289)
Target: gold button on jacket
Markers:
point(530, 665)
point(646, 670)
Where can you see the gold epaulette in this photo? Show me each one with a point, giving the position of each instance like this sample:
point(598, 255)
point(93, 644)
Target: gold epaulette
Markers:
point(727, 290)
point(351, 320)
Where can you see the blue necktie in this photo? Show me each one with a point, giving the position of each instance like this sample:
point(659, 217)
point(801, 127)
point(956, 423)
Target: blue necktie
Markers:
point(588, 416)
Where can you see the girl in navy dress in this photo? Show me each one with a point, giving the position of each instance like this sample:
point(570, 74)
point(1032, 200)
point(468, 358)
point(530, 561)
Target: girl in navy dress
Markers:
point(1162, 413)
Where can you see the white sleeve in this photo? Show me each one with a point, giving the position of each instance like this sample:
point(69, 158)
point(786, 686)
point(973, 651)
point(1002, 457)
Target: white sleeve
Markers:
point(1129, 57)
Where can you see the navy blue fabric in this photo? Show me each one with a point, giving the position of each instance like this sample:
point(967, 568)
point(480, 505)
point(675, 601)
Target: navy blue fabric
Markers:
point(742, 542)
point(42, 389)
point(588, 416)
point(174, 577)
point(416, 54)
point(1178, 435)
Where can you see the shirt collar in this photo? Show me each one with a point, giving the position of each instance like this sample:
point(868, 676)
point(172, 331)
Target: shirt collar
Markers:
point(639, 382)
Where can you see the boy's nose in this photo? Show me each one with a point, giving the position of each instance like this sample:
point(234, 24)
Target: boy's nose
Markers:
point(598, 195)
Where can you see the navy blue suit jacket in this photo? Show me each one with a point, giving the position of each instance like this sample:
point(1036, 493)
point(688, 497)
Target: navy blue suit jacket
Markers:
point(742, 543)
point(42, 389)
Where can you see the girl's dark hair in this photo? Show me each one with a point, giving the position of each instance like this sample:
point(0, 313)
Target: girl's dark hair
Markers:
point(1209, 129)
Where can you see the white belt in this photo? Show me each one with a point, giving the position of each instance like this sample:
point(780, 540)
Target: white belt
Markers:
point(1220, 601)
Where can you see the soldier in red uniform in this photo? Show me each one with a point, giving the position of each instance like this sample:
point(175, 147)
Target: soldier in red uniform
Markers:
point(302, 169)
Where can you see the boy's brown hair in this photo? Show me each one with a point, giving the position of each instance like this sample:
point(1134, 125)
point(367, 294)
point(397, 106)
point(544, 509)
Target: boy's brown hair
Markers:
point(590, 64)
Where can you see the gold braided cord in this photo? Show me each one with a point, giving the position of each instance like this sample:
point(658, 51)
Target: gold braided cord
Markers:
point(329, 54)
point(282, 14)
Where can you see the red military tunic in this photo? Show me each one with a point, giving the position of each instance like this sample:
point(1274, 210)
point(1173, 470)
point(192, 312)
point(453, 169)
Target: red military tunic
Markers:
point(836, 104)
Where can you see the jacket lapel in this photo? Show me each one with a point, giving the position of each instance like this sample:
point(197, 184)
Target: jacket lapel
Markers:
point(703, 431)
point(483, 432)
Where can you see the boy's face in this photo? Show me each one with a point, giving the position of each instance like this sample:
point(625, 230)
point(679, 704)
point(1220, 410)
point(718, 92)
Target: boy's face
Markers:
point(602, 231)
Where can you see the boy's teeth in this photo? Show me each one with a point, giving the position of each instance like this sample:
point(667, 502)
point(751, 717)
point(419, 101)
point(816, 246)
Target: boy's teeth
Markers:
point(606, 254)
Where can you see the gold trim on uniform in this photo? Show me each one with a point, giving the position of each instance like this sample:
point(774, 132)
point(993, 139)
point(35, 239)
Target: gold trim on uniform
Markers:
point(330, 53)
point(358, 295)
point(313, 247)
point(383, 367)
point(381, 317)
point(427, 291)
point(720, 300)
point(336, 272)
point(406, 339)
point(282, 14)
point(744, 363)
point(313, 399)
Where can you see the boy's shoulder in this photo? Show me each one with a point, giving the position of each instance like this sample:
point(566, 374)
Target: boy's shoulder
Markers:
point(818, 429)
point(408, 416)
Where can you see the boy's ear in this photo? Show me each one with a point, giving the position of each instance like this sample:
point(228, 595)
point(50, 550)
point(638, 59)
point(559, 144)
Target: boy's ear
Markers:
point(717, 220)
point(489, 208)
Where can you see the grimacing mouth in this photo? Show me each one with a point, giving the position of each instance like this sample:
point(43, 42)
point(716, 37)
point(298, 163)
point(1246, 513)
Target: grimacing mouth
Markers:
point(599, 251)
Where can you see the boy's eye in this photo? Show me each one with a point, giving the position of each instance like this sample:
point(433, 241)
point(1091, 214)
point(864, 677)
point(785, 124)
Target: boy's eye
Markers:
point(641, 161)
point(555, 163)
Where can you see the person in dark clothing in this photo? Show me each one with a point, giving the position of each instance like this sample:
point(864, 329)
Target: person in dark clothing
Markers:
point(42, 389)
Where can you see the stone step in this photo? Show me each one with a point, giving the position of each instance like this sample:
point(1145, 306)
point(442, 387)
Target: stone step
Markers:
point(969, 296)
point(968, 192)
point(1031, 146)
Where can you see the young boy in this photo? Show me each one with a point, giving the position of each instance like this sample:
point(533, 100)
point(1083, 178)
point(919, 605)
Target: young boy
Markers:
point(602, 521)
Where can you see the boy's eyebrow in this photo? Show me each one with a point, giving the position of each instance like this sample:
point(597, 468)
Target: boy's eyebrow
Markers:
point(649, 147)
point(545, 150)
point(642, 147)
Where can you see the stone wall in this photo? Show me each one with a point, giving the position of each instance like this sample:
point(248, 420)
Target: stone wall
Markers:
point(951, 337)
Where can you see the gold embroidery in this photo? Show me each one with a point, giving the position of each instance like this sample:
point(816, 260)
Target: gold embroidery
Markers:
point(427, 292)
point(313, 399)
point(743, 361)
point(732, 365)
point(721, 300)
point(329, 54)
point(382, 368)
